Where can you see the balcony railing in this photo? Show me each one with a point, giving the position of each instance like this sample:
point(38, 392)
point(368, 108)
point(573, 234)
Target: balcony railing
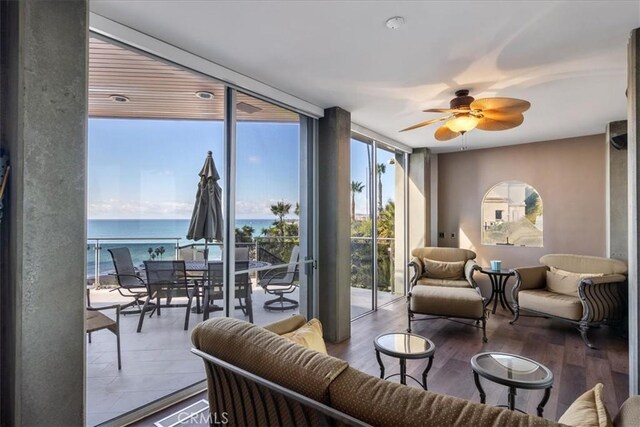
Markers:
point(273, 249)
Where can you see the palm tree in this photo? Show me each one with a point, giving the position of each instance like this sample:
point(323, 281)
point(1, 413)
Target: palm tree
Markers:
point(280, 210)
point(356, 187)
point(382, 169)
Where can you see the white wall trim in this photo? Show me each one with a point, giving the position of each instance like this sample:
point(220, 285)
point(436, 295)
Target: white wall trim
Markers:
point(126, 35)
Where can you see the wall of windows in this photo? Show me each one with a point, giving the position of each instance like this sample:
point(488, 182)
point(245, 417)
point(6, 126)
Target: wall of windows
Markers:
point(151, 126)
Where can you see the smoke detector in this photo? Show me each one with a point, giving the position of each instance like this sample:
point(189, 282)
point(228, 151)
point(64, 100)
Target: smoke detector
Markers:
point(395, 22)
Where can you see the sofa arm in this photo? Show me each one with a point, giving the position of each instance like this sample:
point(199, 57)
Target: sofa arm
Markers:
point(469, 268)
point(529, 278)
point(418, 271)
point(602, 297)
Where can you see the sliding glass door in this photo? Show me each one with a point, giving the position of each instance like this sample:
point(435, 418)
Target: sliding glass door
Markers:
point(378, 226)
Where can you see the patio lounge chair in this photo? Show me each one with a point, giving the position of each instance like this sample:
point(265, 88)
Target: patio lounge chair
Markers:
point(279, 282)
point(130, 284)
point(167, 279)
point(96, 321)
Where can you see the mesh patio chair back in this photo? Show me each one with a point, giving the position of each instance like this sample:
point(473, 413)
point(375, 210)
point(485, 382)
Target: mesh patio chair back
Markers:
point(243, 281)
point(215, 279)
point(292, 268)
point(125, 271)
point(163, 275)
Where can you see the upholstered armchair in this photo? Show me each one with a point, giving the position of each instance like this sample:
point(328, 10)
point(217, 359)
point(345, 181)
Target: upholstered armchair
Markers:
point(442, 286)
point(584, 290)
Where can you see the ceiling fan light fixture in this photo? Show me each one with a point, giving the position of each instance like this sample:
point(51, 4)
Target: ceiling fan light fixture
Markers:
point(463, 123)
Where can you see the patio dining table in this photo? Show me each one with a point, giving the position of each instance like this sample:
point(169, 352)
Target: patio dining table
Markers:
point(201, 266)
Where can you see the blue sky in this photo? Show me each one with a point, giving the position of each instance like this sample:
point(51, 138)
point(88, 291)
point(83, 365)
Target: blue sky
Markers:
point(143, 169)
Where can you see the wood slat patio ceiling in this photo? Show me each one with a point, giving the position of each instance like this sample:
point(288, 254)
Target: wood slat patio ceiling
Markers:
point(158, 90)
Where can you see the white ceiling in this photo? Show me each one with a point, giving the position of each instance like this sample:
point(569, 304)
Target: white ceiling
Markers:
point(568, 58)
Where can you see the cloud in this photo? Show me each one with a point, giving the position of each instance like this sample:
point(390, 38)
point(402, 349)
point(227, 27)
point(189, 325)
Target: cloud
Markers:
point(122, 209)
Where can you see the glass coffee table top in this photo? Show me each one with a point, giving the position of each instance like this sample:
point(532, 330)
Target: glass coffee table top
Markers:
point(401, 344)
point(511, 369)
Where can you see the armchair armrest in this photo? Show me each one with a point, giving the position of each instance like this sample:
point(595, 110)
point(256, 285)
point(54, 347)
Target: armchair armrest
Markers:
point(529, 278)
point(418, 270)
point(602, 297)
point(469, 268)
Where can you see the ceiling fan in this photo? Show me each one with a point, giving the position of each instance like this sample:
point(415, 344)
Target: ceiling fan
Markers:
point(466, 113)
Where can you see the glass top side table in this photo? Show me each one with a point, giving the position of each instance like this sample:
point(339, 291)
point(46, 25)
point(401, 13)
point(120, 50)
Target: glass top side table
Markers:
point(514, 372)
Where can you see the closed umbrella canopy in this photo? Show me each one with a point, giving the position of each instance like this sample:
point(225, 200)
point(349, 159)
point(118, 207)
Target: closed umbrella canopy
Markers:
point(206, 220)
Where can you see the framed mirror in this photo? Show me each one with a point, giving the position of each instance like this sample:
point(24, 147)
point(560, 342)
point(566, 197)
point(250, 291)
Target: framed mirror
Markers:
point(512, 215)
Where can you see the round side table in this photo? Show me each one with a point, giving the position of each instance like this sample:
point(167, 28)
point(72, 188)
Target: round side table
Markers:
point(514, 372)
point(403, 346)
point(499, 279)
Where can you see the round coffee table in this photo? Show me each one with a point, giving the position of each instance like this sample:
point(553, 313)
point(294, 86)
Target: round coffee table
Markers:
point(405, 346)
point(514, 372)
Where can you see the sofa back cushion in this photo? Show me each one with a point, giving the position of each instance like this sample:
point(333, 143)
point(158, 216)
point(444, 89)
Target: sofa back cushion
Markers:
point(443, 254)
point(566, 282)
point(443, 270)
point(384, 403)
point(584, 264)
point(268, 355)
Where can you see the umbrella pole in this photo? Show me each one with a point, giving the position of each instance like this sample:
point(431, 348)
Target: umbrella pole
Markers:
point(206, 250)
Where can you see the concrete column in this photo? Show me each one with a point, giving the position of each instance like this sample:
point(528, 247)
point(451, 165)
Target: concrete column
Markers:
point(44, 115)
point(633, 118)
point(399, 262)
point(419, 199)
point(617, 227)
point(334, 224)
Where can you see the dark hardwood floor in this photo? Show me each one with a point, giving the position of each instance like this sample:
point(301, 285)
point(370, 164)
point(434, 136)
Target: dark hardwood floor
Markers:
point(557, 345)
point(575, 367)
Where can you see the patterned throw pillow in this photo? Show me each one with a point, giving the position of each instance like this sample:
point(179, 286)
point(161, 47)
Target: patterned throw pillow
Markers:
point(588, 410)
point(309, 335)
point(566, 282)
point(443, 270)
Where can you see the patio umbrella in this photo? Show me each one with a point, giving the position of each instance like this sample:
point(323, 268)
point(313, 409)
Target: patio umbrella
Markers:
point(206, 220)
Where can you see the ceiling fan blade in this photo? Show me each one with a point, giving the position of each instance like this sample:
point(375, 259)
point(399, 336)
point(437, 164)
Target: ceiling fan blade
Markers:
point(428, 122)
point(446, 110)
point(505, 105)
point(504, 122)
point(444, 133)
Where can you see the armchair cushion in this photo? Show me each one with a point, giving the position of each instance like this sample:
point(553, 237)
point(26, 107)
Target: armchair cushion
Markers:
point(543, 301)
point(441, 282)
point(287, 325)
point(447, 301)
point(446, 270)
point(584, 264)
point(443, 254)
point(532, 277)
point(566, 282)
point(588, 410)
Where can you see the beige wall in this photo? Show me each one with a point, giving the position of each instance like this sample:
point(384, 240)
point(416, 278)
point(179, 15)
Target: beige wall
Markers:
point(569, 174)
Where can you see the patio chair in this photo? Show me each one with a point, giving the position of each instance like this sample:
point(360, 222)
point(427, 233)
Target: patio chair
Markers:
point(167, 279)
point(130, 284)
point(281, 281)
point(214, 289)
point(96, 321)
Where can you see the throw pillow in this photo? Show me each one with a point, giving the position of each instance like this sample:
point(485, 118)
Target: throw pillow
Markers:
point(309, 335)
point(588, 410)
point(443, 270)
point(566, 282)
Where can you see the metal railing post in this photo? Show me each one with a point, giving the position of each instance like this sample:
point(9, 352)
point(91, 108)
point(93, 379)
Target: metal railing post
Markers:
point(97, 263)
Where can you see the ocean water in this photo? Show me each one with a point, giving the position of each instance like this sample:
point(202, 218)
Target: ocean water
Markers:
point(152, 234)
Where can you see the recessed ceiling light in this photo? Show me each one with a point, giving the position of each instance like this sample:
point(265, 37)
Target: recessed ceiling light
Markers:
point(395, 22)
point(118, 98)
point(203, 94)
